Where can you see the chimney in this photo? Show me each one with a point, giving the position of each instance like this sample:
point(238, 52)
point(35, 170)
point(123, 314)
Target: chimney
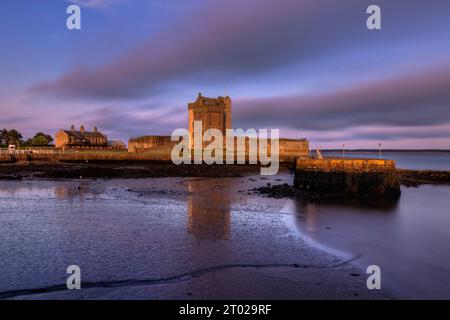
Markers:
point(82, 129)
point(72, 128)
point(95, 129)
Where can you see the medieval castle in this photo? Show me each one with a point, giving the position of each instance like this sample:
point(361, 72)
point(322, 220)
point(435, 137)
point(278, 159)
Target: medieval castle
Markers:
point(215, 113)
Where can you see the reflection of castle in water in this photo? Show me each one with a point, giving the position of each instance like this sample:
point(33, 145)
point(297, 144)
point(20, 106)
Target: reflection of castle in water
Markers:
point(209, 209)
point(78, 191)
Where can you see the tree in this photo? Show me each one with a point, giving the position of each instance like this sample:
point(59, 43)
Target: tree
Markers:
point(13, 137)
point(3, 137)
point(40, 140)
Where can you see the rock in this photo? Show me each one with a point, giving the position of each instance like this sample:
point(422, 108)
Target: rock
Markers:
point(415, 178)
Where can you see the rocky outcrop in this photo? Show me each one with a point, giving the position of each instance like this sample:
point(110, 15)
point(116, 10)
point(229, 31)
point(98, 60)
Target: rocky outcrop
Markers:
point(415, 178)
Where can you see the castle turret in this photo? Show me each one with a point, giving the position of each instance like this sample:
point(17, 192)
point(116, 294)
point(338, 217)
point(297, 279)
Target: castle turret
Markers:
point(214, 113)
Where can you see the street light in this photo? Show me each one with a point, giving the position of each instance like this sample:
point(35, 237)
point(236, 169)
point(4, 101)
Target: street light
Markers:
point(343, 151)
point(379, 145)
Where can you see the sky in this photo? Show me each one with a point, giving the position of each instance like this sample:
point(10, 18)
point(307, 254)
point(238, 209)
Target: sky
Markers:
point(310, 68)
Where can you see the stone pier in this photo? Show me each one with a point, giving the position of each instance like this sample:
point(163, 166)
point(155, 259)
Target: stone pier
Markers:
point(347, 176)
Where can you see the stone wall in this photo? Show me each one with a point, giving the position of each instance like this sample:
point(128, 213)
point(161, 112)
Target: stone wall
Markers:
point(345, 164)
point(61, 139)
point(87, 156)
point(347, 176)
point(5, 157)
point(291, 149)
point(146, 143)
point(146, 148)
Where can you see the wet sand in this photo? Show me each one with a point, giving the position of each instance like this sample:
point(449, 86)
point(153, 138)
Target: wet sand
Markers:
point(164, 238)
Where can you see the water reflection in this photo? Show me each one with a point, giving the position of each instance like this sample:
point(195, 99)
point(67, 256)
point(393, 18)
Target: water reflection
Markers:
point(375, 204)
point(408, 237)
point(63, 191)
point(13, 188)
point(309, 213)
point(58, 189)
point(209, 209)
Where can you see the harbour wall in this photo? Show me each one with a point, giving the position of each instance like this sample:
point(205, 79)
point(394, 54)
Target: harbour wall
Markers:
point(347, 176)
point(156, 149)
point(289, 149)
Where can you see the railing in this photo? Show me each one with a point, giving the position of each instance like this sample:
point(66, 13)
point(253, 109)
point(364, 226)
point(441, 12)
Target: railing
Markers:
point(30, 151)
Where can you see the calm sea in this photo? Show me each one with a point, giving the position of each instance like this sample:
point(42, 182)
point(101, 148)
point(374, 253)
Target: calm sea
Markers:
point(420, 160)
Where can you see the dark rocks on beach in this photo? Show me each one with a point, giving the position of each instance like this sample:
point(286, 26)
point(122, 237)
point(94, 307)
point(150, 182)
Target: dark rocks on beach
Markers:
point(10, 177)
point(279, 191)
point(415, 178)
point(285, 190)
point(119, 170)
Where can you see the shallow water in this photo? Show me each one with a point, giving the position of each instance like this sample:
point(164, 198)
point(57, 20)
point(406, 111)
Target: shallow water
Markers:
point(408, 239)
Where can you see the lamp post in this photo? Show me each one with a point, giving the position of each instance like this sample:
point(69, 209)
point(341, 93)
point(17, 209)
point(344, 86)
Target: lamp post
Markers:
point(379, 146)
point(343, 151)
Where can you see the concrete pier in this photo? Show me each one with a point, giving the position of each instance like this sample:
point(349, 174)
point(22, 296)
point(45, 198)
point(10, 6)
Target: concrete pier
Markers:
point(347, 176)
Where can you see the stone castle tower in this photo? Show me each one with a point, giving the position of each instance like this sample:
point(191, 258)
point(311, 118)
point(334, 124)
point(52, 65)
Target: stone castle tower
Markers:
point(215, 113)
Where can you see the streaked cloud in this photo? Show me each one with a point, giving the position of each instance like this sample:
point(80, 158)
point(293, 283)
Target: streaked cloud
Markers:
point(415, 99)
point(228, 39)
point(94, 3)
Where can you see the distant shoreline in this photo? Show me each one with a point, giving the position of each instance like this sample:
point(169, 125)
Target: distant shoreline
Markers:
point(386, 150)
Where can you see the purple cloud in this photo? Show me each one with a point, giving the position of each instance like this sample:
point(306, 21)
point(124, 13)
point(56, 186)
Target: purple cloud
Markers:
point(408, 100)
point(228, 39)
point(124, 123)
